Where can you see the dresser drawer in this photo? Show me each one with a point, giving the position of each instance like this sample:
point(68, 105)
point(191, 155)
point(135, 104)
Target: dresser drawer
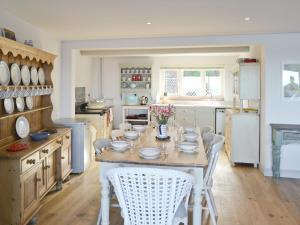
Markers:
point(57, 143)
point(67, 139)
point(29, 162)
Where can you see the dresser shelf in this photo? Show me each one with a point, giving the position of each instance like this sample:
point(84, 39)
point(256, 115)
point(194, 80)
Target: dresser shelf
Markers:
point(5, 116)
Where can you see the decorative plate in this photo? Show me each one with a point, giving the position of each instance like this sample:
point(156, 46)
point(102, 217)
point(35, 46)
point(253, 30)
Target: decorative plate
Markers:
point(15, 74)
point(41, 76)
point(29, 102)
point(25, 75)
point(4, 73)
point(34, 76)
point(20, 104)
point(22, 127)
point(9, 105)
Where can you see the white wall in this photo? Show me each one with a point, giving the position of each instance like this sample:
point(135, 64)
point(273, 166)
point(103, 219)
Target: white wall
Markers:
point(41, 39)
point(111, 74)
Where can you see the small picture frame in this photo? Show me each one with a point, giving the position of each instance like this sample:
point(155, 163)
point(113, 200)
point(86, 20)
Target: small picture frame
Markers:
point(291, 81)
point(8, 34)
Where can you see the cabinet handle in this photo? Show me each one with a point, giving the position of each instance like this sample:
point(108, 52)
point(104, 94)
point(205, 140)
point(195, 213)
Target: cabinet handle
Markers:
point(59, 142)
point(68, 137)
point(47, 167)
point(38, 179)
point(62, 157)
point(45, 151)
point(30, 161)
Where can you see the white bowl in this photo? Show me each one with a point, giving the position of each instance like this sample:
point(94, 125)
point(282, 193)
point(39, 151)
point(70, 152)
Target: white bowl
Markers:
point(189, 129)
point(190, 136)
point(120, 145)
point(149, 153)
point(187, 147)
point(139, 128)
point(131, 134)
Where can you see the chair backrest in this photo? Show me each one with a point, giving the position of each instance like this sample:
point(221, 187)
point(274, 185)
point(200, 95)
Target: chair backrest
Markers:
point(125, 126)
point(150, 196)
point(206, 130)
point(207, 139)
point(213, 155)
point(116, 133)
point(99, 144)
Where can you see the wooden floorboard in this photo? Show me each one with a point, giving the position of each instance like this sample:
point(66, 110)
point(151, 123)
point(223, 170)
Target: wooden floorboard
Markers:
point(242, 194)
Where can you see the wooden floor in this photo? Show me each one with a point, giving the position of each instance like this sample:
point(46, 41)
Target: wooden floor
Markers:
point(243, 197)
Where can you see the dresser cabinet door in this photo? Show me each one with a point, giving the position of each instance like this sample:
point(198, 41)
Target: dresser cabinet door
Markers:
point(51, 169)
point(30, 193)
point(42, 174)
point(65, 161)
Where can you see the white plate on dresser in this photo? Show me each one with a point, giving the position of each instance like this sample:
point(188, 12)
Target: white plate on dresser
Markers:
point(9, 105)
point(25, 75)
point(34, 75)
point(29, 102)
point(20, 104)
point(41, 76)
point(22, 127)
point(15, 74)
point(4, 73)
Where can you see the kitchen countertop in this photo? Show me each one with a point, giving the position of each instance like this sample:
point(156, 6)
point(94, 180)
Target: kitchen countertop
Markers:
point(214, 104)
point(79, 110)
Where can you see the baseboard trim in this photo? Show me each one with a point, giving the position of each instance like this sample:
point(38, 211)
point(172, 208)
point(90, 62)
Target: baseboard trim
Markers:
point(284, 173)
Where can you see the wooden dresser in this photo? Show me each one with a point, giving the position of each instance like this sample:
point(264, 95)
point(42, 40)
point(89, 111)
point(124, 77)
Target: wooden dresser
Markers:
point(27, 176)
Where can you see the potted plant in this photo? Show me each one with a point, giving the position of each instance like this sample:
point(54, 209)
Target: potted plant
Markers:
point(162, 115)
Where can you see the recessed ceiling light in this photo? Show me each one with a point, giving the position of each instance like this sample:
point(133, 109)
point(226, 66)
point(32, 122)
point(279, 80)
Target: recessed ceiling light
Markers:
point(247, 18)
point(148, 23)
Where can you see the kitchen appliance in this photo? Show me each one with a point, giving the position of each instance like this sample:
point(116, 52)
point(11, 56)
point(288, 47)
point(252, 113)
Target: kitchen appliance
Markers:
point(83, 136)
point(220, 121)
point(144, 100)
point(132, 99)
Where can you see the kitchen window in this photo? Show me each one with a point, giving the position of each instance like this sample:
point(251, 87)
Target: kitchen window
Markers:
point(193, 82)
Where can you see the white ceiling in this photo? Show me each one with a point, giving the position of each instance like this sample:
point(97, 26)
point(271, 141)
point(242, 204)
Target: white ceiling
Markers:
point(89, 19)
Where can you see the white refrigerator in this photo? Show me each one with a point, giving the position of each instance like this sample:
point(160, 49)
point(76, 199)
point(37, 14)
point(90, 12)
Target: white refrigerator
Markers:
point(83, 136)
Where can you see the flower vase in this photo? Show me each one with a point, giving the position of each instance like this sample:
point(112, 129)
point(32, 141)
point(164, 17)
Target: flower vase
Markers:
point(162, 131)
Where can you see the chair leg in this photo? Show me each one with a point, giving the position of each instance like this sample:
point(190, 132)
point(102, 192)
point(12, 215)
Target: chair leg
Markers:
point(213, 202)
point(99, 217)
point(210, 208)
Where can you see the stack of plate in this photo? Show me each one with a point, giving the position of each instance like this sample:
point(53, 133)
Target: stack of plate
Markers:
point(188, 147)
point(189, 130)
point(149, 153)
point(120, 146)
point(192, 136)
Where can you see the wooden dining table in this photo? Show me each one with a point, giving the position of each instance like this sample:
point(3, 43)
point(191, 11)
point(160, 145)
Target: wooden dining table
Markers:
point(171, 158)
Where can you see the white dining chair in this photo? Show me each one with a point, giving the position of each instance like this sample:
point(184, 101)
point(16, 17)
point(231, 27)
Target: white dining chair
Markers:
point(206, 130)
point(101, 143)
point(213, 155)
point(150, 196)
point(207, 139)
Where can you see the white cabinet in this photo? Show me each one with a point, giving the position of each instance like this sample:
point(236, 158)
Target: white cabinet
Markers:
point(242, 137)
point(205, 116)
point(195, 116)
point(246, 81)
point(185, 116)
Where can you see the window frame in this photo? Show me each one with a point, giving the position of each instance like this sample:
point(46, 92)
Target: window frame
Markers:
point(180, 71)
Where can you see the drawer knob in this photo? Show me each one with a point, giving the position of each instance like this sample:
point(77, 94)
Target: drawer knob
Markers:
point(30, 161)
point(59, 142)
point(38, 179)
point(47, 167)
point(68, 137)
point(62, 157)
point(45, 151)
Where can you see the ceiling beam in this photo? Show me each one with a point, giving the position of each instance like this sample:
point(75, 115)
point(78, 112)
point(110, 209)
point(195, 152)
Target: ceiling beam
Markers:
point(165, 51)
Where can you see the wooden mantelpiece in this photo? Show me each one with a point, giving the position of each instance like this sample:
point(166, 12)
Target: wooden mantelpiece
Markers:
point(18, 49)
